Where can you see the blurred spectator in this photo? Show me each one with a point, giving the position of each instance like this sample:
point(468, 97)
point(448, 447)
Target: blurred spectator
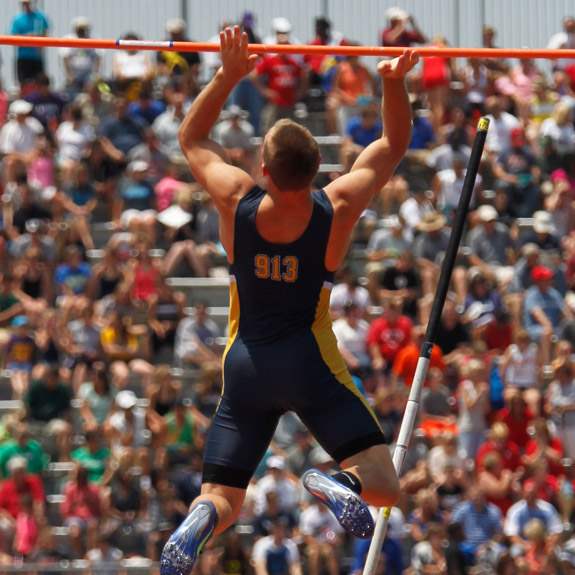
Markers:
point(428, 556)
point(29, 60)
point(167, 124)
point(360, 131)
point(48, 398)
point(23, 447)
point(81, 510)
point(47, 105)
point(93, 456)
point(234, 133)
point(347, 290)
point(277, 480)
point(130, 65)
point(146, 107)
point(401, 30)
point(498, 442)
point(351, 334)
point(121, 132)
point(281, 80)
point(276, 554)
point(81, 64)
point(502, 123)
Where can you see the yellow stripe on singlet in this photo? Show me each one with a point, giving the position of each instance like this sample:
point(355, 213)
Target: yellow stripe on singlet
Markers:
point(327, 343)
point(234, 324)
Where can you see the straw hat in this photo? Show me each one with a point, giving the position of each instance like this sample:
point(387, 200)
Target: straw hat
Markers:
point(431, 222)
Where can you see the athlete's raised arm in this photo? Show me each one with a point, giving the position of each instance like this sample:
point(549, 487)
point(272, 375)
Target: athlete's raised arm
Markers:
point(224, 182)
point(352, 193)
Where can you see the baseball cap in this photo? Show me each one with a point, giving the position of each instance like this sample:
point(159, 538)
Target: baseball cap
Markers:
point(81, 22)
point(138, 166)
point(396, 13)
point(487, 213)
point(20, 107)
point(543, 222)
point(126, 399)
point(541, 273)
point(281, 25)
point(175, 25)
point(16, 463)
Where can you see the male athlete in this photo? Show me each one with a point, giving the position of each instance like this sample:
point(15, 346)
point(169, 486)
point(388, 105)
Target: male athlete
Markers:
point(284, 242)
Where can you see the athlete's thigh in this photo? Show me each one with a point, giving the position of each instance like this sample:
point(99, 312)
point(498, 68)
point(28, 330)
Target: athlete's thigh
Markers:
point(341, 419)
point(243, 425)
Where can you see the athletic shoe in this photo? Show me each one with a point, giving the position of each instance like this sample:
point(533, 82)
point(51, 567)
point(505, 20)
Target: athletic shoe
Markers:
point(348, 507)
point(185, 544)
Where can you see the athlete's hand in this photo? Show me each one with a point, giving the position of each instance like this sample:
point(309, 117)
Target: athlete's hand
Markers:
point(398, 68)
point(236, 61)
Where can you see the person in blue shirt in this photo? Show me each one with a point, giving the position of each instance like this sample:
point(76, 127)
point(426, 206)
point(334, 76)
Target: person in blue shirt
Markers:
point(422, 134)
point(146, 108)
point(479, 519)
point(360, 131)
point(30, 22)
point(122, 131)
point(72, 276)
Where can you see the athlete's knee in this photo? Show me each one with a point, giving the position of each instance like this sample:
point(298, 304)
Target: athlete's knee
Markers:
point(227, 500)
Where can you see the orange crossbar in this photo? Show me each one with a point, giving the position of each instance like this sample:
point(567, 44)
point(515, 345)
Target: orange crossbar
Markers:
point(47, 42)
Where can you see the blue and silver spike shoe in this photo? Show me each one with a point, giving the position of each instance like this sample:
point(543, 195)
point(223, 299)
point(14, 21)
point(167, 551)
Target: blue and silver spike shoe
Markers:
point(348, 507)
point(185, 544)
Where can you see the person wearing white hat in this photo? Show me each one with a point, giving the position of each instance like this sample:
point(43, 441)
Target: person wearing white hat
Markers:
point(492, 248)
point(81, 64)
point(234, 133)
point(402, 30)
point(277, 480)
point(544, 233)
point(280, 78)
point(29, 60)
point(127, 426)
point(18, 137)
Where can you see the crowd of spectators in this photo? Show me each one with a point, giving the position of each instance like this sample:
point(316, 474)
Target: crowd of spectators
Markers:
point(111, 375)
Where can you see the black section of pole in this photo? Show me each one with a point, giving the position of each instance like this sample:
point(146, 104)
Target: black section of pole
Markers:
point(455, 239)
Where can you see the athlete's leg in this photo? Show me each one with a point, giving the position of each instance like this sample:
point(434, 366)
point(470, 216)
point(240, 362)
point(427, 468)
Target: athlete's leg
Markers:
point(227, 501)
point(374, 469)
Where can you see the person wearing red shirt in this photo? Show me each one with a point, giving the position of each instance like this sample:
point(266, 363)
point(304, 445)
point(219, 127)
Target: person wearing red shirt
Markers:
point(498, 442)
point(387, 335)
point(281, 80)
point(544, 445)
point(397, 33)
point(406, 359)
point(16, 489)
point(517, 417)
point(81, 509)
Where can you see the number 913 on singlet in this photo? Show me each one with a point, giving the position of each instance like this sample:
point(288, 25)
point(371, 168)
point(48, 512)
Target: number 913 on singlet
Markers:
point(276, 268)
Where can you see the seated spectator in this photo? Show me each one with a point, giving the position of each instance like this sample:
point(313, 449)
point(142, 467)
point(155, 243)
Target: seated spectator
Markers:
point(10, 306)
point(93, 455)
point(544, 310)
point(526, 509)
point(436, 405)
point(48, 398)
point(129, 65)
point(126, 427)
point(543, 445)
point(167, 124)
point(72, 277)
point(276, 553)
point(170, 185)
point(422, 134)
point(276, 479)
point(165, 311)
point(480, 519)
point(137, 205)
point(82, 343)
point(304, 454)
point(234, 134)
point(322, 536)
point(146, 108)
point(195, 339)
point(97, 397)
point(401, 30)
point(18, 138)
point(74, 138)
point(388, 335)
point(498, 441)
point(120, 132)
point(23, 447)
point(125, 346)
point(401, 280)
point(360, 131)
point(405, 362)
point(502, 123)
point(182, 435)
point(544, 234)
point(491, 246)
point(428, 556)
point(425, 513)
point(351, 334)
point(451, 486)
point(20, 353)
point(561, 403)
point(558, 138)
point(345, 290)
point(18, 488)
point(453, 333)
point(498, 484)
point(517, 416)
point(272, 515)
point(81, 510)
point(445, 454)
point(33, 283)
point(473, 406)
point(47, 105)
point(483, 303)
point(103, 551)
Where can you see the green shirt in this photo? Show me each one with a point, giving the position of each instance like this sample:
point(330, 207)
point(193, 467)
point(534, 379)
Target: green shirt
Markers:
point(7, 300)
point(95, 463)
point(32, 451)
point(180, 436)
